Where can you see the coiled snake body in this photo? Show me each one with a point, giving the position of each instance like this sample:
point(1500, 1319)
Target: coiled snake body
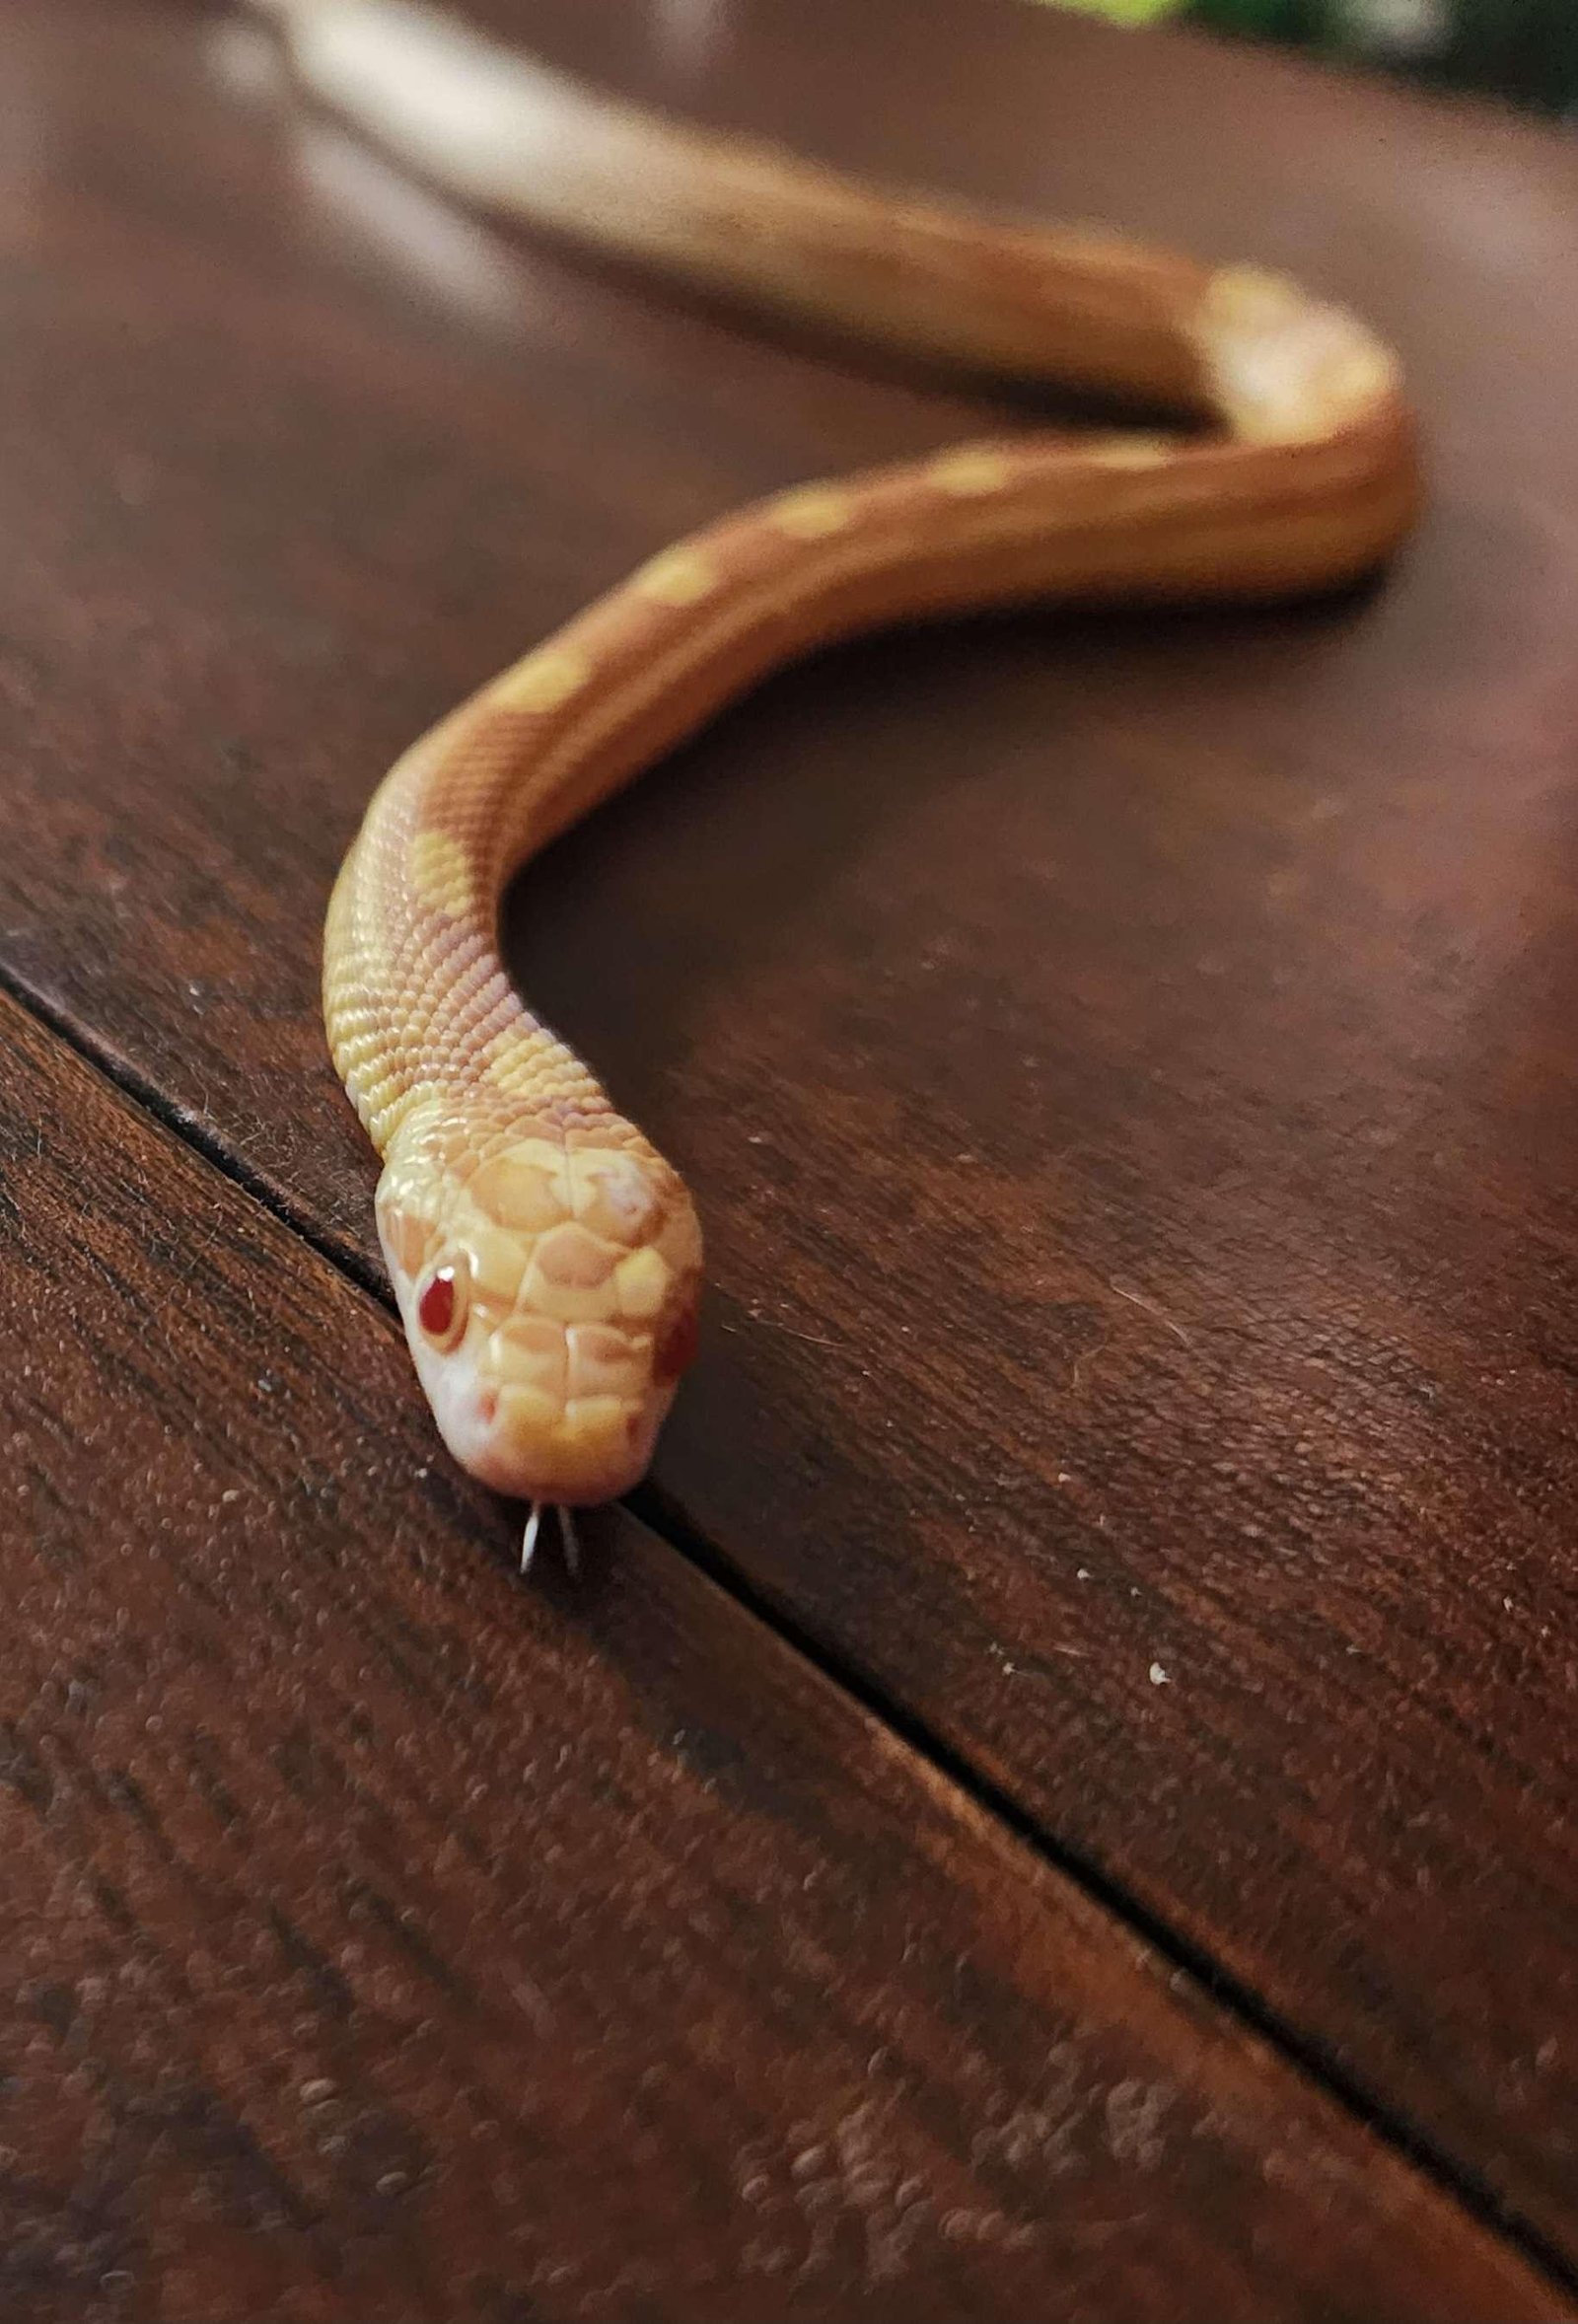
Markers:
point(547, 1259)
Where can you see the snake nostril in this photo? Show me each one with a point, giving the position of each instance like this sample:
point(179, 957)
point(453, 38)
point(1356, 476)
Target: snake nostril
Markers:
point(488, 1407)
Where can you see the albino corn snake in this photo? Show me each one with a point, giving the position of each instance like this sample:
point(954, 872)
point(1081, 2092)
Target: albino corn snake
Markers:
point(546, 1261)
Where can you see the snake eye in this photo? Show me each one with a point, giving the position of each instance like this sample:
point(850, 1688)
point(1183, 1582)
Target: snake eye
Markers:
point(441, 1307)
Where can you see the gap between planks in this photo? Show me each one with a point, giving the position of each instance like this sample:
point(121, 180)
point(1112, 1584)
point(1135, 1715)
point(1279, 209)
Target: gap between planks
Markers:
point(937, 1762)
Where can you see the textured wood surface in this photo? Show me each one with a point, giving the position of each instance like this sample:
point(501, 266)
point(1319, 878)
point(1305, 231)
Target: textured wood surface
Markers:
point(1127, 1067)
point(384, 1938)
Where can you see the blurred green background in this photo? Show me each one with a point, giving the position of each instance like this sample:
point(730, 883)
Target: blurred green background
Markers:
point(1523, 49)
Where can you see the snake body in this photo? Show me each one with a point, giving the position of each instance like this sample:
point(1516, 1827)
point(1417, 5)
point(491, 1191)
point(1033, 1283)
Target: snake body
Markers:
point(545, 1259)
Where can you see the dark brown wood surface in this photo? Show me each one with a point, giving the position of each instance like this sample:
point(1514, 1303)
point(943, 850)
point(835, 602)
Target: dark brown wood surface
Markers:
point(1127, 1067)
point(387, 1939)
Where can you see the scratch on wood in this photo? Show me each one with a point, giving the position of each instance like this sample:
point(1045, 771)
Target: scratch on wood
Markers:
point(1138, 1300)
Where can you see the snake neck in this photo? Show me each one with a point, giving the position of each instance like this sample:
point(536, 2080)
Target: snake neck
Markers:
point(425, 1027)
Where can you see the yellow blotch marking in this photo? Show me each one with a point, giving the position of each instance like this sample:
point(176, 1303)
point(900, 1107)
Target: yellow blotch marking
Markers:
point(539, 1151)
point(542, 681)
point(527, 1413)
point(568, 1255)
point(497, 1260)
point(1286, 368)
point(569, 1303)
point(412, 1239)
point(971, 472)
point(642, 1283)
point(592, 1416)
point(679, 578)
point(442, 875)
point(604, 1361)
point(529, 1351)
point(615, 1196)
point(1364, 374)
point(515, 1194)
point(812, 512)
point(1134, 451)
point(1252, 298)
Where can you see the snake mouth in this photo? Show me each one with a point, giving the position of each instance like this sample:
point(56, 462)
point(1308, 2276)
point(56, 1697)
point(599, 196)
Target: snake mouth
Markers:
point(526, 1447)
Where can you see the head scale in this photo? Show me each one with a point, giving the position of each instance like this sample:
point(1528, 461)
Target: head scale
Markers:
point(548, 1281)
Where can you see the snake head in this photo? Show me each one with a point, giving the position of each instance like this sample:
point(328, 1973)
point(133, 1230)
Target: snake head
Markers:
point(548, 1281)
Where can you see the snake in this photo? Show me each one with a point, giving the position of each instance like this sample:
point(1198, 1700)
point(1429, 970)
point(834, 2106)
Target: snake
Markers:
point(546, 1261)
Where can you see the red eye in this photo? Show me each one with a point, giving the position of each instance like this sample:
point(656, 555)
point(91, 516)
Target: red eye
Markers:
point(438, 1307)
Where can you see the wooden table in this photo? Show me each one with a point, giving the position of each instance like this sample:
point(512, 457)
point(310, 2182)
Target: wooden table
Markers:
point(1061, 1799)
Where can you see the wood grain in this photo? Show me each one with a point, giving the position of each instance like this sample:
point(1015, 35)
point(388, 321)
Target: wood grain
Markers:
point(1128, 1069)
point(386, 1938)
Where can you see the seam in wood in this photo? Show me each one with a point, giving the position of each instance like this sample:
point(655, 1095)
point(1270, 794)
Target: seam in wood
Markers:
point(937, 1762)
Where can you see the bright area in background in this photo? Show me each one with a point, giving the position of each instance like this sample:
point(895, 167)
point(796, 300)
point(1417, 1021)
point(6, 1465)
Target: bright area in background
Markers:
point(1126, 12)
point(1524, 49)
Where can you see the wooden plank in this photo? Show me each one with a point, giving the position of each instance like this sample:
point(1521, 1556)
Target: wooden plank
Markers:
point(1128, 1069)
point(383, 1938)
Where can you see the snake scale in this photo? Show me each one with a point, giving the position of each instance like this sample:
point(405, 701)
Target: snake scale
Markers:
point(545, 1259)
